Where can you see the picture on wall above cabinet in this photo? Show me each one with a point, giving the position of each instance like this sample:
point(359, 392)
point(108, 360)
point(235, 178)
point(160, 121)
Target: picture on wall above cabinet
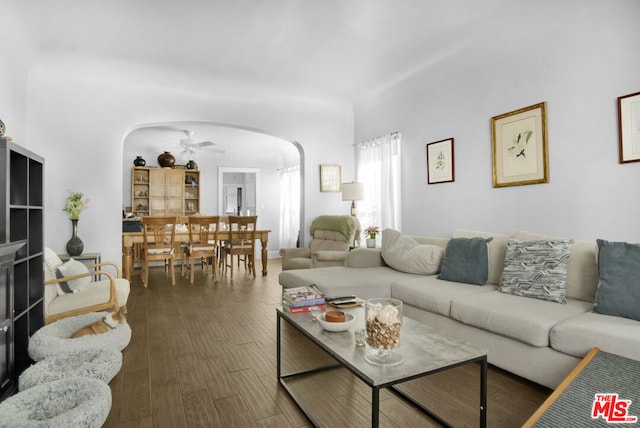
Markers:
point(519, 145)
point(629, 127)
point(330, 178)
point(440, 162)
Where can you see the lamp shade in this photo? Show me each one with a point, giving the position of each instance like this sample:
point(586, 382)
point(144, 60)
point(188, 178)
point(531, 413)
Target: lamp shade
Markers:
point(352, 191)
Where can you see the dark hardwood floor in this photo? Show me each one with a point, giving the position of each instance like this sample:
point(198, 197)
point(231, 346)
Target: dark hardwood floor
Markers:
point(204, 355)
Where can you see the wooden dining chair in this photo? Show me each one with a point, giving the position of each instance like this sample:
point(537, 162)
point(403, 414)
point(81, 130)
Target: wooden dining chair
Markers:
point(242, 238)
point(159, 234)
point(203, 244)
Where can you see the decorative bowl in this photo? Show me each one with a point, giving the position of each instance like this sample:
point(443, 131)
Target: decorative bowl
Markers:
point(336, 326)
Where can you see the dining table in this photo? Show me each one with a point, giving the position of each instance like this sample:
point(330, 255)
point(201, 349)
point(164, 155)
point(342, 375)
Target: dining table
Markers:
point(182, 236)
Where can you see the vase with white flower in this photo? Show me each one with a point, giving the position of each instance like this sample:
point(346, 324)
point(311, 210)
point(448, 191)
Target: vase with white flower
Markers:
point(370, 233)
point(74, 205)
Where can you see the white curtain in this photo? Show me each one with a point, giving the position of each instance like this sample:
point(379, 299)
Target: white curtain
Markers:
point(378, 167)
point(289, 206)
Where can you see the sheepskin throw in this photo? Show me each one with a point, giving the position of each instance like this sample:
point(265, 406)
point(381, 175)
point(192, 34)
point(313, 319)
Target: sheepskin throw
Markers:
point(55, 338)
point(73, 402)
point(100, 364)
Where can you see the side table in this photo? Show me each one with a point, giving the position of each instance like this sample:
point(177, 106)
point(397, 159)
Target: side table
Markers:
point(86, 258)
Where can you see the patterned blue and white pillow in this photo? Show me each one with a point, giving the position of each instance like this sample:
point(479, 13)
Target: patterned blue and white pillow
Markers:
point(536, 269)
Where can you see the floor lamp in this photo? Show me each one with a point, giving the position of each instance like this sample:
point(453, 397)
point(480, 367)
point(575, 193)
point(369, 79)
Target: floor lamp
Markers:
point(353, 192)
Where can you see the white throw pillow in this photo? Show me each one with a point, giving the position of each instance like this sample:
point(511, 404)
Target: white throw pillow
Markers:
point(70, 268)
point(405, 254)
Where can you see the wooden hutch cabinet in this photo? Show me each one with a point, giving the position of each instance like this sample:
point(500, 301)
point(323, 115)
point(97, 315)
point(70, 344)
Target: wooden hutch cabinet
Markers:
point(21, 259)
point(165, 191)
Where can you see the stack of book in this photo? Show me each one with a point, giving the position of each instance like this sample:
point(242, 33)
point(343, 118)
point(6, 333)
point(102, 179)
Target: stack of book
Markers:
point(302, 299)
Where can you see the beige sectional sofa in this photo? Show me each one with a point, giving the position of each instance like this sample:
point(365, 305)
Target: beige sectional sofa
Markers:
point(537, 339)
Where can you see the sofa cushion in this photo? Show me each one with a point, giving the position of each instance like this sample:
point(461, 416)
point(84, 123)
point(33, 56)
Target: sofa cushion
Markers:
point(51, 263)
point(582, 271)
point(95, 293)
point(619, 290)
point(466, 260)
point(536, 269)
point(405, 254)
point(577, 335)
point(71, 268)
point(497, 249)
point(433, 294)
point(526, 320)
point(365, 283)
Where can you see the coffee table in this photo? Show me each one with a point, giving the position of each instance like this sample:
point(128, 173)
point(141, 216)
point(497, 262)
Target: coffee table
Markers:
point(425, 352)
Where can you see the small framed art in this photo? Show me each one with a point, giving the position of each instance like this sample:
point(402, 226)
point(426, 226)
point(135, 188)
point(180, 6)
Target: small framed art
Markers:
point(519, 145)
point(330, 178)
point(629, 127)
point(440, 162)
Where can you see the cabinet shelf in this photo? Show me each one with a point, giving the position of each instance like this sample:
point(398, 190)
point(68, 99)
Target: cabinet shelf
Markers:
point(164, 191)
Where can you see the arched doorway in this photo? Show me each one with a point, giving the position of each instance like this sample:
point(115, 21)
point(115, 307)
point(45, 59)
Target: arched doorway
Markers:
point(232, 146)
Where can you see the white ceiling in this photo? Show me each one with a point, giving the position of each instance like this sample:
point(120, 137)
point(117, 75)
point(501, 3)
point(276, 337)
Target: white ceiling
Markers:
point(337, 49)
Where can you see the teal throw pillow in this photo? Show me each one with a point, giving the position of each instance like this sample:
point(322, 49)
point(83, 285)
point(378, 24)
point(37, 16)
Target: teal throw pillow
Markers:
point(466, 260)
point(619, 290)
point(536, 269)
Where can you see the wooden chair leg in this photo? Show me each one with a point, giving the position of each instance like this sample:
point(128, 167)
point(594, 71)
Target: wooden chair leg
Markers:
point(145, 273)
point(192, 267)
point(214, 266)
point(173, 276)
point(252, 266)
point(182, 253)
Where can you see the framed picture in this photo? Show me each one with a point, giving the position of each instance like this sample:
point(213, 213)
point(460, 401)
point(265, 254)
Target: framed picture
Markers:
point(520, 151)
point(330, 178)
point(440, 167)
point(629, 127)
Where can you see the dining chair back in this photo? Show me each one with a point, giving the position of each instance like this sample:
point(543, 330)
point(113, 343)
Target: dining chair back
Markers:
point(203, 243)
point(159, 234)
point(242, 238)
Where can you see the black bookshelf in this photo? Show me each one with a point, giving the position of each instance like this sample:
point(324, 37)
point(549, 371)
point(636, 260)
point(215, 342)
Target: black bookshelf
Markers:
point(21, 268)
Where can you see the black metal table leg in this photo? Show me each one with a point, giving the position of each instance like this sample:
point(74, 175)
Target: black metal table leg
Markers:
point(375, 407)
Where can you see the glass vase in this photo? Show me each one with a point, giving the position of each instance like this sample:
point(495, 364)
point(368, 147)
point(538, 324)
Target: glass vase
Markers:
point(75, 246)
point(383, 318)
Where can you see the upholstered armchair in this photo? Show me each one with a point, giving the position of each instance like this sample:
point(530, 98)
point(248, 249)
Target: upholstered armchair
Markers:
point(61, 299)
point(332, 235)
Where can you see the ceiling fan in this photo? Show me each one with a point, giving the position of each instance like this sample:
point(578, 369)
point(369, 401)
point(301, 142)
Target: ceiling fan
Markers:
point(191, 147)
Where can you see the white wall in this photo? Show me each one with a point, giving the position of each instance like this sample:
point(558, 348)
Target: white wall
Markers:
point(578, 56)
point(80, 110)
point(15, 51)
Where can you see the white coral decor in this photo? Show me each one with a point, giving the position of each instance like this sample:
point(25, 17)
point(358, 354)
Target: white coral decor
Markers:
point(387, 314)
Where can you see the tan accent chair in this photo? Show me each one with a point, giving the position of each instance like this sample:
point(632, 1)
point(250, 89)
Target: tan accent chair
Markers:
point(203, 244)
point(327, 248)
point(108, 293)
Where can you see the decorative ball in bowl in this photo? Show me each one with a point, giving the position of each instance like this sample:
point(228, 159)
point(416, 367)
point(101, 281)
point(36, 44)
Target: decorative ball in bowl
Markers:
point(336, 326)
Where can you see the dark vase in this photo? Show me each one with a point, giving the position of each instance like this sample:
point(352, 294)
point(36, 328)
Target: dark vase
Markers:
point(166, 160)
point(192, 164)
point(75, 246)
point(139, 161)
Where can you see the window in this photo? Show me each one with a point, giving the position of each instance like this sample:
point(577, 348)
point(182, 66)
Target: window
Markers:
point(378, 167)
point(289, 206)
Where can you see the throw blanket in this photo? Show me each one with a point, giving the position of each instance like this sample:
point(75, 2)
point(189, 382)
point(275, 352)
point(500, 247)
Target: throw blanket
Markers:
point(347, 225)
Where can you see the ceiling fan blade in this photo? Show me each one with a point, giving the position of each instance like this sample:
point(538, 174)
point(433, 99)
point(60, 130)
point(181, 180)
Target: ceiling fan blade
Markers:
point(214, 151)
point(204, 144)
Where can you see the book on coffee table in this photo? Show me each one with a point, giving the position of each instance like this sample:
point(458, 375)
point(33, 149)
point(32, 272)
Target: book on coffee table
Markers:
point(298, 294)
